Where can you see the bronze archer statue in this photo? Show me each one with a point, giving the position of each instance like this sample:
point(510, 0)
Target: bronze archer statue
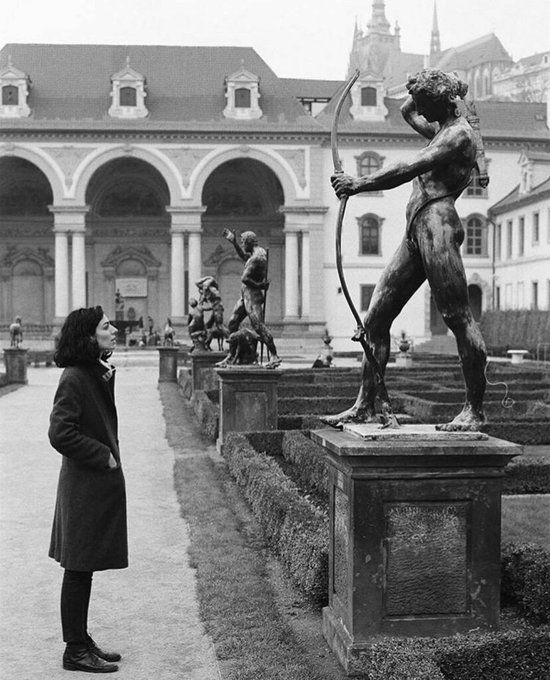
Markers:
point(430, 248)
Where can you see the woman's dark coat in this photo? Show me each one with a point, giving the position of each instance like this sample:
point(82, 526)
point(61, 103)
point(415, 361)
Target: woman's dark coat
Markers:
point(89, 527)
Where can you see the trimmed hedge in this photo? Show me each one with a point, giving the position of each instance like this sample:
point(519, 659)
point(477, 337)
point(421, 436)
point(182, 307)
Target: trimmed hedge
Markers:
point(294, 528)
point(526, 580)
point(207, 413)
point(526, 475)
point(308, 461)
point(515, 329)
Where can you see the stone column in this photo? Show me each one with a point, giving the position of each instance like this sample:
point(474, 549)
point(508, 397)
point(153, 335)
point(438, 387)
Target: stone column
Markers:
point(79, 270)
point(61, 274)
point(414, 546)
point(291, 274)
point(305, 274)
point(195, 262)
point(69, 220)
point(185, 220)
point(177, 292)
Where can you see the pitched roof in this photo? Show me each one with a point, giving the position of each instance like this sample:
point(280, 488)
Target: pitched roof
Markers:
point(184, 84)
point(309, 88)
point(532, 60)
point(487, 48)
point(515, 200)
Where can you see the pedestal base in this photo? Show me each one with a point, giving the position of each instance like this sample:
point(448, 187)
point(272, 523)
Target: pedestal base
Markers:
point(15, 361)
point(203, 369)
point(168, 364)
point(414, 533)
point(248, 400)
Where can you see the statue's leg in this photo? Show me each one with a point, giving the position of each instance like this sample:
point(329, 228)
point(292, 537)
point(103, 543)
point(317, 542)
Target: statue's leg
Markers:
point(254, 308)
point(399, 281)
point(237, 316)
point(440, 244)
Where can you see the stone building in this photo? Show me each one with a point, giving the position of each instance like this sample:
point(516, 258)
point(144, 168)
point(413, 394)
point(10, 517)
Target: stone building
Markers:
point(121, 165)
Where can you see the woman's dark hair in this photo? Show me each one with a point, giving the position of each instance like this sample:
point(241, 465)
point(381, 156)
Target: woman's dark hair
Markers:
point(76, 343)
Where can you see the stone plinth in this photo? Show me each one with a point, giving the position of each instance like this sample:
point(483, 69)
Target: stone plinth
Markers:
point(203, 371)
point(248, 400)
point(414, 534)
point(403, 360)
point(168, 364)
point(15, 361)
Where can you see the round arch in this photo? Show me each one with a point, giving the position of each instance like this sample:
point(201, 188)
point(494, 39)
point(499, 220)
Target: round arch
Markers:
point(44, 163)
point(96, 161)
point(270, 159)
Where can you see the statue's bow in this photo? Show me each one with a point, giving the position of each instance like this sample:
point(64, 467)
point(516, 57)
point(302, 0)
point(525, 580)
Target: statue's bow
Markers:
point(387, 416)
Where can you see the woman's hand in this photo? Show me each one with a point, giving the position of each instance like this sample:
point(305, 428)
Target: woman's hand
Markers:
point(343, 185)
point(112, 461)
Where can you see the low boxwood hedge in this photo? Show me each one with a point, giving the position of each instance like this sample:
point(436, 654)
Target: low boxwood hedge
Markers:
point(526, 475)
point(294, 528)
point(526, 580)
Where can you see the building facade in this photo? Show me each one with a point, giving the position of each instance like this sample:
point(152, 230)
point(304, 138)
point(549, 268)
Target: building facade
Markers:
point(121, 165)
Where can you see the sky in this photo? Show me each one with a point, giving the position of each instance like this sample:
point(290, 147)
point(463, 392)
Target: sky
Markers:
point(297, 38)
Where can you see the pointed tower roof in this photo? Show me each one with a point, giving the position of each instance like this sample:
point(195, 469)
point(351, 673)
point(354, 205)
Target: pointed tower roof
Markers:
point(435, 44)
point(378, 22)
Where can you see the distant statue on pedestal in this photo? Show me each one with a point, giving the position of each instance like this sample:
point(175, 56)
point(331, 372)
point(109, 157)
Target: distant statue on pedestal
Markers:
point(252, 299)
point(119, 306)
point(195, 326)
point(16, 332)
point(168, 340)
point(210, 300)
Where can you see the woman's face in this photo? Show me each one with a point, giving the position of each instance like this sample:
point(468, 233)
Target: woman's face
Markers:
point(105, 335)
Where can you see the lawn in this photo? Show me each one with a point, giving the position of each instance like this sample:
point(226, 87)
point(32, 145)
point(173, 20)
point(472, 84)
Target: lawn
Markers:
point(526, 519)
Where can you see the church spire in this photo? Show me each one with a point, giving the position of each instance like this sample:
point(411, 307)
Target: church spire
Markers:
point(435, 45)
point(378, 22)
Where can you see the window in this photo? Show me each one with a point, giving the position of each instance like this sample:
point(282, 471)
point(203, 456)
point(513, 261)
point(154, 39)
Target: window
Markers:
point(128, 96)
point(534, 295)
point(521, 296)
point(498, 242)
point(474, 189)
point(509, 239)
point(369, 227)
point(497, 297)
point(366, 296)
point(476, 240)
point(10, 95)
point(536, 228)
point(368, 96)
point(521, 236)
point(508, 296)
point(368, 164)
point(242, 98)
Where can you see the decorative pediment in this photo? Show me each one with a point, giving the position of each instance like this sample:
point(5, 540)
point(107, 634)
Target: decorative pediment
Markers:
point(15, 255)
point(14, 87)
point(128, 93)
point(242, 91)
point(140, 253)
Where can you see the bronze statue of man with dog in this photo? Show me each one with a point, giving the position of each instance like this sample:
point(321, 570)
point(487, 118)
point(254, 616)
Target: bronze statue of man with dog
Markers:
point(430, 248)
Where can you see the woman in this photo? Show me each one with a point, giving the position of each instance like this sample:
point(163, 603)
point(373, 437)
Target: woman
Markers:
point(89, 527)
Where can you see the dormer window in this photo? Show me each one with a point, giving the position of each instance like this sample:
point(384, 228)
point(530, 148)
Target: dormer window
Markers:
point(242, 94)
point(128, 94)
point(367, 97)
point(15, 87)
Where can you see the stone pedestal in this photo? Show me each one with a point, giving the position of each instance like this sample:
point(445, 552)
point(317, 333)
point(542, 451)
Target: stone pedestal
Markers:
point(403, 360)
point(168, 364)
point(15, 361)
point(248, 400)
point(203, 372)
point(414, 534)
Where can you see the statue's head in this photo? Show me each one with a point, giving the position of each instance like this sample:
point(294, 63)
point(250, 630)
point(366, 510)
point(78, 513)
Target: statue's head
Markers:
point(249, 240)
point(436, 93)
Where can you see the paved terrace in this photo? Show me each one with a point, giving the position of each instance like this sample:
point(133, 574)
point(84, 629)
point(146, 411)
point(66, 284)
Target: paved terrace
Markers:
point(149, 611)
